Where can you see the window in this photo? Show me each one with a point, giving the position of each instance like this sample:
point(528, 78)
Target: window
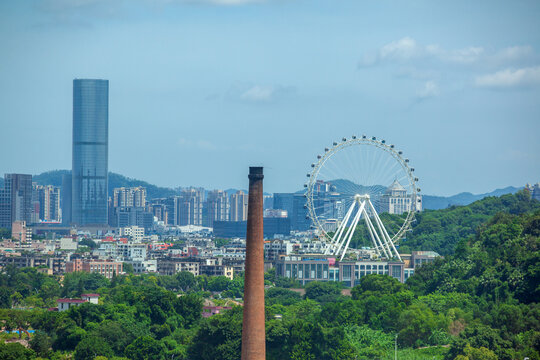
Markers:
point(396, 272)
point(347, 272)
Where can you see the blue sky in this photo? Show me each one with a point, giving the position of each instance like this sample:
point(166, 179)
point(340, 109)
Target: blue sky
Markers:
point(200, 90)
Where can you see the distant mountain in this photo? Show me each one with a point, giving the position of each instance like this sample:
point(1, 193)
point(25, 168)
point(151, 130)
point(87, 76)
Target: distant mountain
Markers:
point(115, 181)
point(465, 198)
point(431, 202)
point(348, 187)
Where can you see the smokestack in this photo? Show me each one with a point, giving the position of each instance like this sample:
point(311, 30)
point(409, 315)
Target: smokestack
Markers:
point(253, 333)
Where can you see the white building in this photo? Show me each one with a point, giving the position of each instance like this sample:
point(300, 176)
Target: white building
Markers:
point(136, 233)
point(396, 200)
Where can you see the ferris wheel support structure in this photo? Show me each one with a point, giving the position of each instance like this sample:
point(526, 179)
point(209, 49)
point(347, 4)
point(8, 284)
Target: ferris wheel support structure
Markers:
point(340, 243)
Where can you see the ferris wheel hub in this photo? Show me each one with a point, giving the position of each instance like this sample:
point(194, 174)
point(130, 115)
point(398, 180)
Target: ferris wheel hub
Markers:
point(359, 197)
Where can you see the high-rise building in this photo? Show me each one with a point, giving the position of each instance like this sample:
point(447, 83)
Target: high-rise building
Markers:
point(171, 209)
point(239, 205)
point(129, 197)
point(191, 207)
point(90, 151)
point(16, 199)
point(47, 198)
point(66, 199)
point(294, 204)
point(218, 207)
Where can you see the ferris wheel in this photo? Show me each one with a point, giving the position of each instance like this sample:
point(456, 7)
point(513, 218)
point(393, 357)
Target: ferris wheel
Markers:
point(362, 190)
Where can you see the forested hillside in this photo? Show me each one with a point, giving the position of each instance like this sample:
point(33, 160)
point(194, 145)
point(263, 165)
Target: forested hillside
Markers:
point(54, 177)
point(478, 303)
point(441, 230)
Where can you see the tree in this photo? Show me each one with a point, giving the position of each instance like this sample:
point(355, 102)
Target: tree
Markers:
point(323, 291)
point(88, 243)
point(275, 295)
point(41, 343)
point(186, 280)
point(146, 348)
point(15, 351)
point(189, 307)
point(92, 346)
point(128, 268)
point(416, 325)
point(376, 285)
point(5, 233)
point(218, 283)
point(219, 337)
point(368, 343)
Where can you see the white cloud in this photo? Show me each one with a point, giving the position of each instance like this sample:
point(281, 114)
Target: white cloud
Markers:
point(408, 49)
point(259, 93)
point(263, 93)
point(510, 78)
point(515, 53)
point(405, 48)
point(430, 89)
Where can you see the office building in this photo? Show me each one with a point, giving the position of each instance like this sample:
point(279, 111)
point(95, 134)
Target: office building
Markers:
point(90, 151)
point(294, 204)
point(16, 199)
point(172, 205)
point(66, 199)
point(315, 267)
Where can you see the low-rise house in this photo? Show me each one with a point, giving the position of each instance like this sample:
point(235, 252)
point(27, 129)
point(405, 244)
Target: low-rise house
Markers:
point(214, 310)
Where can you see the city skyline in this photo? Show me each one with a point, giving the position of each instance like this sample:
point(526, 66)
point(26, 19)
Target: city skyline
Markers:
point(198, 89)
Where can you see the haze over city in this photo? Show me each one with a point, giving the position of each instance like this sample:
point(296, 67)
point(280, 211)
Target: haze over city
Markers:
point(200, 90)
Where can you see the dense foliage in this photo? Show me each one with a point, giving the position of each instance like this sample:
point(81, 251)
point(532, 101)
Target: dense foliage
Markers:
point(441, 230)
point(477, 303)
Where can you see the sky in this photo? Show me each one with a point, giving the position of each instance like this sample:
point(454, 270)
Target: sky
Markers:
point(200, 90)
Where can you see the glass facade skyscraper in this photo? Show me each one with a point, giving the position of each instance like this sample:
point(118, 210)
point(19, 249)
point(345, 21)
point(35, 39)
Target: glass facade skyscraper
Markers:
point(90, 151)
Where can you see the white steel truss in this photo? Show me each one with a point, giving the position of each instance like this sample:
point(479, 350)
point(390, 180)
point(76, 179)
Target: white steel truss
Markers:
point(382, 242)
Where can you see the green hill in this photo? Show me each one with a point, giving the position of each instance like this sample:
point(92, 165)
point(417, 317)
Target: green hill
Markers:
point(441, 230)
point(54, 177)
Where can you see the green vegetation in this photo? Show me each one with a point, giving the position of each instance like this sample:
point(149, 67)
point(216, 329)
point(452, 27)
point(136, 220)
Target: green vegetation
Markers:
point(441, 230)
point(54, 177)
point(478, 302)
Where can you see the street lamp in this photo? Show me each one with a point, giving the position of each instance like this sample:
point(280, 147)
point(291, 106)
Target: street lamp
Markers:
point(395, 347)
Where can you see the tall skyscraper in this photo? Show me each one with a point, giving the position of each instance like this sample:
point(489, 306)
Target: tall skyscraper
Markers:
point(16, 199)
point(90, 151)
